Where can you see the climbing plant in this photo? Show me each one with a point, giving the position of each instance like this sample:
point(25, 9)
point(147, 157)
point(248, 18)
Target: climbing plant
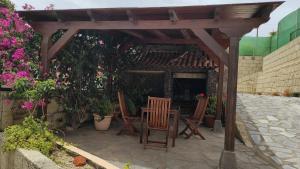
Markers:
point(89, 68)
point(20, 60)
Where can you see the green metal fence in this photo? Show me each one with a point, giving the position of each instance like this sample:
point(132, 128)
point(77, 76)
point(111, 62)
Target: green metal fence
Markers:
point(288, 29)
point(255, 46)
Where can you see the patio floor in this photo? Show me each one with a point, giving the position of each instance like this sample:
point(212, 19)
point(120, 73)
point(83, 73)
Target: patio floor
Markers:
point(193, 153)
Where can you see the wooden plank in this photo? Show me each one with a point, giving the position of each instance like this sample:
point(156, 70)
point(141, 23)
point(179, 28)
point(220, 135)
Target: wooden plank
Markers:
point(131, 17)
point(211, 43)
point(150, 24)
point(91, 157)
point(231, 94)
point(133, 33)
point(220, 91)
point(185, 34)
point(62, 42)
point(160, 34)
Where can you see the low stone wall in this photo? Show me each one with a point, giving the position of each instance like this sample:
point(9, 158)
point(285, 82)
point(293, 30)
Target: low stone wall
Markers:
point(280, 71)
point(56, 117)
point(24, 159)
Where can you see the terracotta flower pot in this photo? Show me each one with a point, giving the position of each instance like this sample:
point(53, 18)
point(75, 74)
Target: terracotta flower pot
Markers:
point(209, 120)
point(102, 123)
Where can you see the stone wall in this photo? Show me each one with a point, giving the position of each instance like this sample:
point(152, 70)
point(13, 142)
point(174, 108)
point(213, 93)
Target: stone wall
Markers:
point(212, 82)
point(24, 159)
point(280, 71)
point(249, 65)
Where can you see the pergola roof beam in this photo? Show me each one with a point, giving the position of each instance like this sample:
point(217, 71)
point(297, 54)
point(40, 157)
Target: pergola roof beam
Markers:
point(151, 24)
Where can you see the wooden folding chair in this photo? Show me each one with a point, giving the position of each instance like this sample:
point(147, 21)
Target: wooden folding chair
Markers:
point(127, 125)
point(157, 118)
point(192, 123)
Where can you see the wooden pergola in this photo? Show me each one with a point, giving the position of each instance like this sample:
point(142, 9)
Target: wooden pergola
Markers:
point(215, 29)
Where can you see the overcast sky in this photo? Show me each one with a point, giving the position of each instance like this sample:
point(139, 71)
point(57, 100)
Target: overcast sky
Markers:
point(264, 30)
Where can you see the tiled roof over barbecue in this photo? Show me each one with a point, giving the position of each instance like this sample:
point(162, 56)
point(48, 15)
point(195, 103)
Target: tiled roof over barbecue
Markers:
point(185, 59)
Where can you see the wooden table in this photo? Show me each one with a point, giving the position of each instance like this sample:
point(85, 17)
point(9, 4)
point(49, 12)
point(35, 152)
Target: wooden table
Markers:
point(173, 112)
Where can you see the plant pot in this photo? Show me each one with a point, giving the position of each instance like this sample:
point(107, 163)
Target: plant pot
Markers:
point(102, 123)
point(209, 121)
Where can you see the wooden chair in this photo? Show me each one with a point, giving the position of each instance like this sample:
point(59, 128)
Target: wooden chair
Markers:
point(192, 123)
point(128, 126)
point(157, 118)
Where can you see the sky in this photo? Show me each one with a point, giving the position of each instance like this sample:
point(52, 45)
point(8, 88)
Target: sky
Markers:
point(264, 30)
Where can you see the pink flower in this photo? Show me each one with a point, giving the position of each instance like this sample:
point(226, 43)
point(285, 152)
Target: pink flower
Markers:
point(7, 78)
point(27, 7)
point(23, 74)
point(18, 55)
point(20, 26)
point(8, 65)
point(5, 43)
point(41, 103)
point(202, 94)
point(14, 41)
point(4, 23)
point(1, 31)
point(27, 105)
point(101, 42)
point(4, 11)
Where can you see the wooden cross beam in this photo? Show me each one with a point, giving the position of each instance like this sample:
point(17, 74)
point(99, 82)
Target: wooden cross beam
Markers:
point(131, 17)
point(212, 44)
point(61, 42)
point(185, 34)
point(133, 33)
point(160, 34)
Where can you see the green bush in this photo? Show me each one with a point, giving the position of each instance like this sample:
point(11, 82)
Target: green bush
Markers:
point(130, 106)
point(105, 107)
point(31, 134)
point(212, 106)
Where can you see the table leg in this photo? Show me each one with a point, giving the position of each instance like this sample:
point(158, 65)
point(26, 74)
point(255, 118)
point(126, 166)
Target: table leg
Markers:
point(142, 128)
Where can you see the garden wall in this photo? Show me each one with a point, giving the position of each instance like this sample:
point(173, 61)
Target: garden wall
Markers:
point(280, 72)
point(24, 159)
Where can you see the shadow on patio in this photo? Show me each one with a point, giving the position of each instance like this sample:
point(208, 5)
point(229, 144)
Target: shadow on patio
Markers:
point(188, 154)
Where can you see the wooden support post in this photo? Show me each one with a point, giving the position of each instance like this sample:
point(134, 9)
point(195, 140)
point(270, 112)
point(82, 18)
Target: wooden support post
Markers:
point(218, 122)
point(44, 52)
point(231, 94)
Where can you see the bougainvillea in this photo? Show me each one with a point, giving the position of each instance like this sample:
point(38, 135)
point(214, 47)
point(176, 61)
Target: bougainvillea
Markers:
point(19, 61)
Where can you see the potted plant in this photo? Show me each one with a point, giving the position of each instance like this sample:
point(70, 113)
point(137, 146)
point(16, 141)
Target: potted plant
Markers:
point(103, 114)
point(210, 115)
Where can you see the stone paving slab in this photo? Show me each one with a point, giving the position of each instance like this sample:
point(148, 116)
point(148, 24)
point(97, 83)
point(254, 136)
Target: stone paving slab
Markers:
point(193, 153)
point(273, 123)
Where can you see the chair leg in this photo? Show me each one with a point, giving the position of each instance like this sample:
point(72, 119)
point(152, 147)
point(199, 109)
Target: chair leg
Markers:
point(146, 137)
point(199, 133)
point(189, 135)
point(167, 140)
point(183, 131)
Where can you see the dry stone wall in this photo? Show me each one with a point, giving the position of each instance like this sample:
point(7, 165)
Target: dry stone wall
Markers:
point(280, 71)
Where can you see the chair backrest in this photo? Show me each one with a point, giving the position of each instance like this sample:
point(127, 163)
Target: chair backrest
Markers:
point(200, 109)
point(159, 112)
point(122, 104)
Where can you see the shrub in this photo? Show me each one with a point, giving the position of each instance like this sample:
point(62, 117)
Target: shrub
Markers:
point(296, 94)
point(105, 107)
point(31, 134)
point(212, 106)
